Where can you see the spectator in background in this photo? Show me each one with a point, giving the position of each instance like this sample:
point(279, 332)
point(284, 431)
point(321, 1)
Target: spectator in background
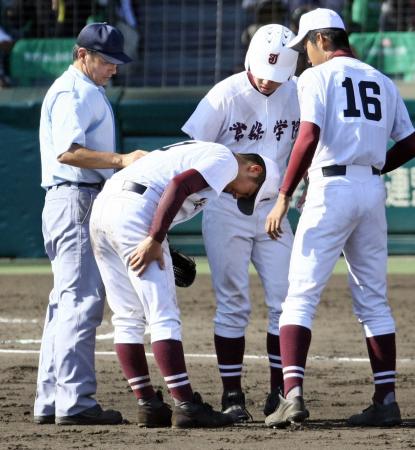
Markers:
point(302, 62)
point(364, 15)
point(124, 15)
point(127, 22)
point(19, 18)
point(71, 16)
point(6, 44)
point(266, 12)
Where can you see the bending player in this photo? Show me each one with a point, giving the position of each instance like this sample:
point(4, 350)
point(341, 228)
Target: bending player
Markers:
point(256, 111)
point(129, 222)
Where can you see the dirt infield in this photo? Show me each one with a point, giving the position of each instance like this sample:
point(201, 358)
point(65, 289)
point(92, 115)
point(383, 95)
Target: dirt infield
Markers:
point(335, 387)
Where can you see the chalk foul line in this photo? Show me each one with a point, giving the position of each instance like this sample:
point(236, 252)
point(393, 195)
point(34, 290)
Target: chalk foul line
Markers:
point(213, 356)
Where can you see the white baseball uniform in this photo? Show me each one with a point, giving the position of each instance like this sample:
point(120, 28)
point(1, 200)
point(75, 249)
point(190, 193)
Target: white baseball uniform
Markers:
point(235, 114)
point(357, 109)
point(121, 219)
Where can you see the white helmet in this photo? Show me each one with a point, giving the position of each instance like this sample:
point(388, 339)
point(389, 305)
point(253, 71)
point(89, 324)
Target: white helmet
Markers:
point(268, 56)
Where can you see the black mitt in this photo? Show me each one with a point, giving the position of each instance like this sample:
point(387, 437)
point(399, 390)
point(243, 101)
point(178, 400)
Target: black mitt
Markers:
point(184, 268)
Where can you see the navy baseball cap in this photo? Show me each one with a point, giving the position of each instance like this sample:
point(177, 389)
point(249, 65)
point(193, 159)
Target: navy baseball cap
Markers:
point(105, 40)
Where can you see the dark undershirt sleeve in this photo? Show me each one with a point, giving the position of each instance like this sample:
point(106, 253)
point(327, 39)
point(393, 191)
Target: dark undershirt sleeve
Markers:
point(402, 152)
point(176, 192)
point(301, 156)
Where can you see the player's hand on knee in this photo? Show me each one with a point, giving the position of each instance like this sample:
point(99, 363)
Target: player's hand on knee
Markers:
point(146, 252)
point(276, 216)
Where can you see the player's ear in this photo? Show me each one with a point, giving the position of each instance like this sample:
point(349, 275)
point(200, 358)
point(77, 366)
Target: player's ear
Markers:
point(82, 52)
point(325, 43)
point(255, 169)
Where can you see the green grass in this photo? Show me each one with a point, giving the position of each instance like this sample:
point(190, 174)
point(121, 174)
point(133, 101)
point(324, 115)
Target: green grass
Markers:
point(396, 265)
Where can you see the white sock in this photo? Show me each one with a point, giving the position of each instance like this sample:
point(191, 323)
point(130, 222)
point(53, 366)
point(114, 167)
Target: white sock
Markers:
point(296, 391)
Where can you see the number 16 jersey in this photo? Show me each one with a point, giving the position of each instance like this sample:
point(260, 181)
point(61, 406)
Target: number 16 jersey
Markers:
point(357, 109)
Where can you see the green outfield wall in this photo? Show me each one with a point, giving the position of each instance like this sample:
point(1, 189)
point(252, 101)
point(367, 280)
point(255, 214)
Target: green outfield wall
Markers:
point(147, 118)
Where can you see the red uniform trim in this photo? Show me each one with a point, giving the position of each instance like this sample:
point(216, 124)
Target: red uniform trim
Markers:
point(301, 156)
point(176, 192)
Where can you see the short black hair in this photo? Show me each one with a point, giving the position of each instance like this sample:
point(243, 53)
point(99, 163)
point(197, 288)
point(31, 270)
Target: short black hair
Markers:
point(75, 49)
point(337, 37)
point(256, 159)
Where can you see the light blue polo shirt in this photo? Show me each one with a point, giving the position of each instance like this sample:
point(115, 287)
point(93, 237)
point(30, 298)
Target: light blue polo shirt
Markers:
point(74, 110)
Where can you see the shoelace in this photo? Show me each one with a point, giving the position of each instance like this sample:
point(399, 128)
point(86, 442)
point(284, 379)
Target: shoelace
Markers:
point(197, 399)
point(248, 414)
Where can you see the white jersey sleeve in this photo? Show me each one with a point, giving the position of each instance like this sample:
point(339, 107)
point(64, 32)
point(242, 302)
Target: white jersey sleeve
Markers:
point(311, 96)
point(208, 118)
point(402, 125)
point(218, 168)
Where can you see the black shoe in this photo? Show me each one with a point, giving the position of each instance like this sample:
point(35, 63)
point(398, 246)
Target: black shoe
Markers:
point(44, 420)
point(196, 414)
point(233, 403)
point(92, 416)
point(154, 412)
point(272, 402)
point(377, 415)
point(288, 411)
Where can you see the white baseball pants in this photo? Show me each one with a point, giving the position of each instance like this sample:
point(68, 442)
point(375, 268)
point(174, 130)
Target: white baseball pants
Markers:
point(119, 221)
point(233, 239)
point(341, 213)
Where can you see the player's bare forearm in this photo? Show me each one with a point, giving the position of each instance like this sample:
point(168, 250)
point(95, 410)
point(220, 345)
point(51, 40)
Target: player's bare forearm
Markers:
point(276, 216)
point(146, 252)
point(85, 158)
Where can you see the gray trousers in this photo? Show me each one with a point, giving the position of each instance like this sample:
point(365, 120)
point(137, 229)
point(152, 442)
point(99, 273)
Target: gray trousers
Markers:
point(66, 379)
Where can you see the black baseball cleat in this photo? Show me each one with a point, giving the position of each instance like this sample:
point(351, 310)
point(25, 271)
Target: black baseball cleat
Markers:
point(154, 412)
point(233, 403)
point(272, 401)
point(287, 412)
point(44, 420)
point(377, 415)
point(91, 416)
point(196, 414)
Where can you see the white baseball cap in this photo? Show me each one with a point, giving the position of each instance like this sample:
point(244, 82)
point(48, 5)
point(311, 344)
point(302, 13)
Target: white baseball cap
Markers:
point(267, 190)
point(268, 56)
point(316, 19)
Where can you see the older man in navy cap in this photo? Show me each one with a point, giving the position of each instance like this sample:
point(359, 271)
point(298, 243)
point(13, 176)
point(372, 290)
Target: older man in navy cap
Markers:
point(77, 146)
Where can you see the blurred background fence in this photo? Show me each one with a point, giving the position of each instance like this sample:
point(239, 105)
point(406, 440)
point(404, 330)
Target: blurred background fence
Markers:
point(187, 42)
point(180, 49)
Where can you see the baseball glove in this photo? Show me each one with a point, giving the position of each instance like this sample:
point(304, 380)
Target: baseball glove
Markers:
point(184, 268)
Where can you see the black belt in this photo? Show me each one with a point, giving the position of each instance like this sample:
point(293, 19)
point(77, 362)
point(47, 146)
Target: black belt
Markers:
point(134, 187)
point(97, 186)
point(335, 171)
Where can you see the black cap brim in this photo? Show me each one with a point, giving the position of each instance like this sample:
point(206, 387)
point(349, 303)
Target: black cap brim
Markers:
point(115, 58)
point(246, 205)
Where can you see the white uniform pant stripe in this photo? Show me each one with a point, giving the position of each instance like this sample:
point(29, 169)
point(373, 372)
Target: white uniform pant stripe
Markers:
point(292, 368)
point(382, 374)
point(293, 375)
point(140, 386)
point(133, 380)
point(175, 377)
point(277, 366)
point(386, 380)
point(230, 366)
point(230, 374)
point(179, 383)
